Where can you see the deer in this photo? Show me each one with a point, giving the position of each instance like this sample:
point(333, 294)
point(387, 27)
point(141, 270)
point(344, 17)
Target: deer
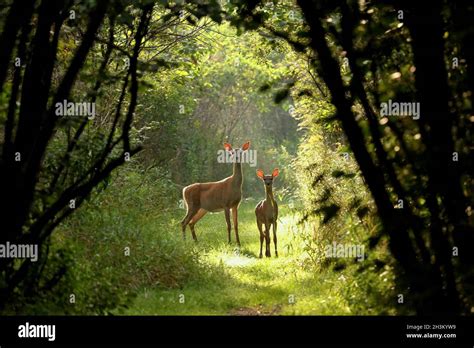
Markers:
point(266, 213)
point(224, 195)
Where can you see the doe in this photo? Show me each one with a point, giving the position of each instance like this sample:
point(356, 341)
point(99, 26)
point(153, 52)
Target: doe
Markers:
point(224, 195)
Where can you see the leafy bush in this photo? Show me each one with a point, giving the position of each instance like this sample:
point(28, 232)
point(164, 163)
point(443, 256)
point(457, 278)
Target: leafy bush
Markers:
point(117, 243)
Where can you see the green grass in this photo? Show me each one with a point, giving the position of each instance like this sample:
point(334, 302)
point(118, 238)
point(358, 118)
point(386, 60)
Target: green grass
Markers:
point(238, 282)
point(165, 275)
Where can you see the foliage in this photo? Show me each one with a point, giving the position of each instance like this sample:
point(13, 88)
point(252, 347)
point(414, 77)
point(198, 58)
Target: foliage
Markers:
point(304, 81)
point(118, 243)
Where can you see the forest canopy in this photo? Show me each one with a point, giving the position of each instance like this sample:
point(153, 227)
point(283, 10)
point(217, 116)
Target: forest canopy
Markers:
point(364, 106)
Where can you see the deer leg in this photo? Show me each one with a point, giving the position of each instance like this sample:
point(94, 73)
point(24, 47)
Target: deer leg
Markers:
point(259, 225)
point(227, 220)
point(267, 240)
point(201, 212)
point(236, 225)
point(190, 213)
point(275, 237)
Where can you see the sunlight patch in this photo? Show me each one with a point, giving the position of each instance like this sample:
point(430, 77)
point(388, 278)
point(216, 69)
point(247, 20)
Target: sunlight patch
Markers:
point(238, 261)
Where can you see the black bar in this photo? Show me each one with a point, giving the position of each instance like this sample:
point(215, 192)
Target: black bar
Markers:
point(241, 330)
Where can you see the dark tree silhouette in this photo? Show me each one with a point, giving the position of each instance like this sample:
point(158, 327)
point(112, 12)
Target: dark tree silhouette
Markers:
point(423, 246)
point(27, 216)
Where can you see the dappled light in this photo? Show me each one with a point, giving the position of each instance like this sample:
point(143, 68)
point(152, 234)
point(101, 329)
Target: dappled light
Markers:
point(236, 158)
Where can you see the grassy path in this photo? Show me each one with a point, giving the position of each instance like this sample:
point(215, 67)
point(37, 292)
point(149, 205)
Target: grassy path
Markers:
point(239, 283)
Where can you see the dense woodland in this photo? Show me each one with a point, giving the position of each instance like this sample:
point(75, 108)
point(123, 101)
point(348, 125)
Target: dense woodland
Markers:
point(171, 81)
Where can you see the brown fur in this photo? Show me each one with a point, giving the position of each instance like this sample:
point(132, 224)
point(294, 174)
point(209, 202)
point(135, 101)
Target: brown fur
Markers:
point(266, 213)
point(224, 195)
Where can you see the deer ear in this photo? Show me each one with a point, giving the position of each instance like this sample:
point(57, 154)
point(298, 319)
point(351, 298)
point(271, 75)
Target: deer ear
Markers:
point(227, 147)
point(246, 146)
point(260, 173)
point(275, 172)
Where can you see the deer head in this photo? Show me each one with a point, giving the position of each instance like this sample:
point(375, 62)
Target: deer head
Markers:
point(268, 179)
point(236, 154)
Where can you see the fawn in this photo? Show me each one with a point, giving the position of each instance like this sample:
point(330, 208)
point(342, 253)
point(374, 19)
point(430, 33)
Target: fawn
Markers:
point(266, 213)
